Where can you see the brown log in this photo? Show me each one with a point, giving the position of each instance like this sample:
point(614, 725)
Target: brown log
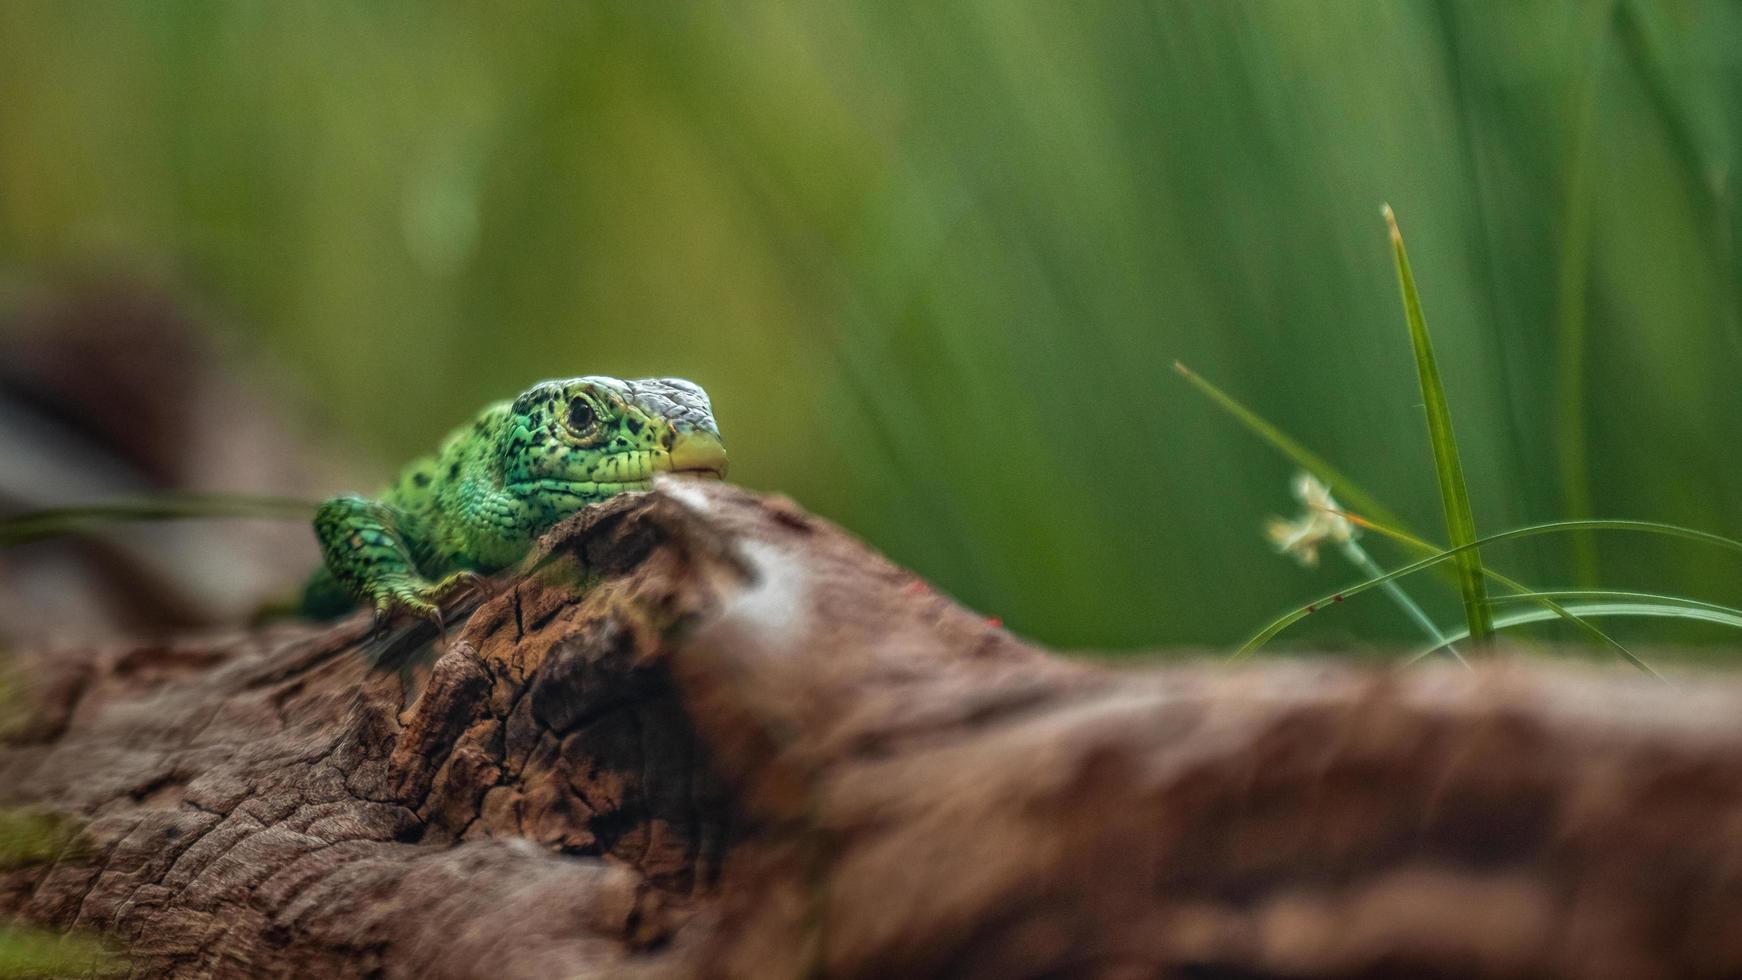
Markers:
point(713, 736)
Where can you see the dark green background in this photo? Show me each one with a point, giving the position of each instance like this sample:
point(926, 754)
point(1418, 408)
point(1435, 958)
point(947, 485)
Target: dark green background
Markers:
point(934, 260)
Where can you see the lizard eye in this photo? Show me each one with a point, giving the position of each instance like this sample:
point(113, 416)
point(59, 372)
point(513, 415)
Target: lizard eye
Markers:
point(582, 417)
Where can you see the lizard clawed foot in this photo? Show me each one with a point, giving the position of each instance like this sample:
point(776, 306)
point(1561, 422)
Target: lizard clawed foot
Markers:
point(456, 585)
point(423, 600)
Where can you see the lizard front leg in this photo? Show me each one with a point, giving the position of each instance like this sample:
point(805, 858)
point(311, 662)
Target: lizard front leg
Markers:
point(364, 546)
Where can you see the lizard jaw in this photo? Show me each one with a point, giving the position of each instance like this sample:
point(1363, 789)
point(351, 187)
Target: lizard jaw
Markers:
point(696, 452)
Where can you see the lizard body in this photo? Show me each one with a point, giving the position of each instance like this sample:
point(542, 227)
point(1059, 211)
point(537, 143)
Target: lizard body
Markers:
point(477, 505)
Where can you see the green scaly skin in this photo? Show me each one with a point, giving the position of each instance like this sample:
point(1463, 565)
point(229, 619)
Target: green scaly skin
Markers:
point(498, 483)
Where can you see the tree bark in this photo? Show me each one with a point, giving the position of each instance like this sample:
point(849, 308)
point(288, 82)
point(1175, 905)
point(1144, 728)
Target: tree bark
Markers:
point(714, 736)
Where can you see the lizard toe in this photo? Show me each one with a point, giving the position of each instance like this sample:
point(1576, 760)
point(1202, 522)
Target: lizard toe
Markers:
point(454, 585)
point(406, 600)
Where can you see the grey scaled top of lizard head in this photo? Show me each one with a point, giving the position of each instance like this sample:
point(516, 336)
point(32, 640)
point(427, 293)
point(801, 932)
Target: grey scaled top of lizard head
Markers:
point(683, 403)
point(595, 436)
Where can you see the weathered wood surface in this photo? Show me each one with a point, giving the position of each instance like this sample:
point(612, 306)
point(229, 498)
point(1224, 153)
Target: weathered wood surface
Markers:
point(749, 747)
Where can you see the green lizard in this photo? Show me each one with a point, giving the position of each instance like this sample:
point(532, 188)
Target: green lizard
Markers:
point(475, 507)
point(499, 482)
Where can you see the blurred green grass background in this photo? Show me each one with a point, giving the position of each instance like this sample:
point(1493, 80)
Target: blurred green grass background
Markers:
point(934, 261)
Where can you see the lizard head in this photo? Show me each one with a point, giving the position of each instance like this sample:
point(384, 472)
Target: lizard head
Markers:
point(594, 437)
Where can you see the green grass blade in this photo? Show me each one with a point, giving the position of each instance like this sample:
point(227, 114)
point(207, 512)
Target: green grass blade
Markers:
point(1555, 527)
point(1573, 282)
point(1358, 557)
point(1544, 599)
point(1555, 609)
point(1677, 608)
point(1282, 442)
point(52, 521)
point(1460, 525)
point(1622, 596)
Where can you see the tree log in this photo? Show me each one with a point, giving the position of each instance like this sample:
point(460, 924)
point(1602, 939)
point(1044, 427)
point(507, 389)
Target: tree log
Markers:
point(714, 736)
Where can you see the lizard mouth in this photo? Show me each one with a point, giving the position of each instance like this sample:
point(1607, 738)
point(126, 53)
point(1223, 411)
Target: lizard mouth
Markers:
point(698, 453)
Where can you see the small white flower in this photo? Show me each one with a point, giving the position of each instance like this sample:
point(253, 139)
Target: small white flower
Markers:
point(1321, 524)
